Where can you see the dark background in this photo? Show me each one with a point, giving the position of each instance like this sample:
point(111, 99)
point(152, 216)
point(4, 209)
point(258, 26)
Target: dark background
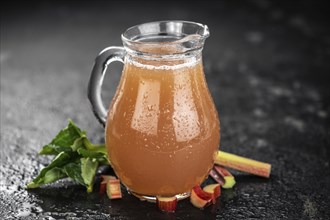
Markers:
point(267, 66)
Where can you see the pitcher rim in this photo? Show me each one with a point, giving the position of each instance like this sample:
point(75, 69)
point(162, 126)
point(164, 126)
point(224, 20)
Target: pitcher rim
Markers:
point(188, 35)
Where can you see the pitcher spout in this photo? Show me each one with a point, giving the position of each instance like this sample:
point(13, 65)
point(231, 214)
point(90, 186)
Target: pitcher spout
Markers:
point(206, 32)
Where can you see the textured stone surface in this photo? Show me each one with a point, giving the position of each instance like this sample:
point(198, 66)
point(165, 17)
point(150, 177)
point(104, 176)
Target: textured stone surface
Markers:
point(267, 65)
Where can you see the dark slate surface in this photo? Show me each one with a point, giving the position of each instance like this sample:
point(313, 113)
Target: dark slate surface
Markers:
point(267, 65)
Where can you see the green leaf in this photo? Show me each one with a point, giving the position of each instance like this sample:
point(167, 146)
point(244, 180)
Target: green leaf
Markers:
point(64, 139)
point(100, 156)
point(95, 147)
point(53, 175)
point(73, 170)
point(76, 157)
point(92, 154)
point(88, 171)
point(60, 160)
point(53, 149)
point(78, 143)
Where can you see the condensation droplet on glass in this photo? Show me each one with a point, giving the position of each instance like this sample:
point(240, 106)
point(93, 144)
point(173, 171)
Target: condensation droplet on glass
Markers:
point(145, 96)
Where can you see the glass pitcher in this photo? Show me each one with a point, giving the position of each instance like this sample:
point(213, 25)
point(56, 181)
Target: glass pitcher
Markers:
point(162, 129)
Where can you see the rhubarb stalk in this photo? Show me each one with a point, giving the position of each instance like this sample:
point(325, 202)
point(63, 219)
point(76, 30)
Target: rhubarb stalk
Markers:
point(243, 164)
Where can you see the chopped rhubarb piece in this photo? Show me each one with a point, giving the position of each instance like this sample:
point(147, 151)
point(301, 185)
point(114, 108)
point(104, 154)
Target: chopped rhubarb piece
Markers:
point(226, 175)
point(113, 189)
point(200, 198)
point(167, 204)
point(215, 190)
point(214, 174)
point(103, 188)
point(243, 164)
point(103, 184)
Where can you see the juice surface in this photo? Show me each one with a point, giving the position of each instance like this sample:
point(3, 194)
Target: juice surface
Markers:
point(162, 128)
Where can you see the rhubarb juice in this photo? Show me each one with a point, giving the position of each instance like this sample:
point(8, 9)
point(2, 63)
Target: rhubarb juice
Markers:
point(162, 128)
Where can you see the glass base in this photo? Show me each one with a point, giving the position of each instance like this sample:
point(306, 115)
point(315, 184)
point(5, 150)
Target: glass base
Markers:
point(153, 198)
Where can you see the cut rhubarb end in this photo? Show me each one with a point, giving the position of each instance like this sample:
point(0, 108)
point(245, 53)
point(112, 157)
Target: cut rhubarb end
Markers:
point(243, 164)
point(229, 179)
point(200, 198)
point(104, 181)
point(167, 204)
point(113, 189)
point(229, 182)
point(215, 190)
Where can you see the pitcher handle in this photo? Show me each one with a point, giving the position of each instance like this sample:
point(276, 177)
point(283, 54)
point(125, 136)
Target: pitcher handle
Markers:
point(107, 56)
